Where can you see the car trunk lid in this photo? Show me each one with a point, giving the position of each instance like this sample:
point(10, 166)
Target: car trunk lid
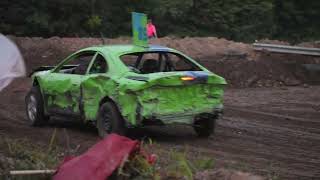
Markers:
point(174, 94)
point(178, 78)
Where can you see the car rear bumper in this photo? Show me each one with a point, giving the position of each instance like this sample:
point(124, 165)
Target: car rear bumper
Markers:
point(186, 118)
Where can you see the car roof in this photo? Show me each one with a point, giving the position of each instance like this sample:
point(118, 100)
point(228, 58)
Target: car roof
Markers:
point(122, 49)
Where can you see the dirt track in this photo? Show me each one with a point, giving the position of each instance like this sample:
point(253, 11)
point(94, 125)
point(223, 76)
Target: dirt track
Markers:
point(270, 131)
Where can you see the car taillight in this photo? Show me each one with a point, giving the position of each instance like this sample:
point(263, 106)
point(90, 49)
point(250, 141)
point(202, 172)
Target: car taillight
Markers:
point(187, 78)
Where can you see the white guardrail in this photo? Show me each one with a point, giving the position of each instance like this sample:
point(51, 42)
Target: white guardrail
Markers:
point(286, 49)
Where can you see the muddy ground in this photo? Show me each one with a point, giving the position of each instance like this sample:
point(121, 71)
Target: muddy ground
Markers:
point(274, 132)
point(272, 129)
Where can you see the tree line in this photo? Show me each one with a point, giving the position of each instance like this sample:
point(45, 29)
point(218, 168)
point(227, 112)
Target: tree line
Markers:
point(239, 20)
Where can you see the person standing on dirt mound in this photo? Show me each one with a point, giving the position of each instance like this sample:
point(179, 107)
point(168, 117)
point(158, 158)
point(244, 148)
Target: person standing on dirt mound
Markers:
point(151, 30)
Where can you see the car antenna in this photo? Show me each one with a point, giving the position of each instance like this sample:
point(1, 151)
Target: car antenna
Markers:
point(102, 38)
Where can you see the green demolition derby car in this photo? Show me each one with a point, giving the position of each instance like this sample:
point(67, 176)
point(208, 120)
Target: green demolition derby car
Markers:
point(121, 86)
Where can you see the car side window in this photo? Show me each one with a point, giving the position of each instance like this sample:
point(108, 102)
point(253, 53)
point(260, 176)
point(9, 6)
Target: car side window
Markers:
point(78, 64)
point(99, 65)
point(130, 59)
point(179, 63)
point(149, 63)
point(157, 61)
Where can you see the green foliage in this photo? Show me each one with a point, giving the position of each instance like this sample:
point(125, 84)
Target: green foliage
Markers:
point(244, 20)
point(297, 20)
point(186, 168)
point(182, 168)
point(28, 156)
point(20, 154)
point(94, 22)
point(137, 167)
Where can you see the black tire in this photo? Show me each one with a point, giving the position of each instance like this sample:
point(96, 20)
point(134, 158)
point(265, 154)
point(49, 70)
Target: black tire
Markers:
point(204, 127)
point(109, 120)
point(34, 107)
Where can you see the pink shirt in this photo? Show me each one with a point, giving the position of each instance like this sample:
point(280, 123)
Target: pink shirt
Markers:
point(151, 30)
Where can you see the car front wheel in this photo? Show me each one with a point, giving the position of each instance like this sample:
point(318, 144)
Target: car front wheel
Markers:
point(34, 107)
point(109, 120)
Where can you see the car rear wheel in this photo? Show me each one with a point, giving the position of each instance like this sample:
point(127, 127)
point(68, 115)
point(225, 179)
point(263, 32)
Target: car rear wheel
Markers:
point(109, 120)
point(34, 107)
point(205, 126)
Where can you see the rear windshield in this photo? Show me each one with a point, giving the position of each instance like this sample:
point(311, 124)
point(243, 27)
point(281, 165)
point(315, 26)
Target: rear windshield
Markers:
point(152, 62)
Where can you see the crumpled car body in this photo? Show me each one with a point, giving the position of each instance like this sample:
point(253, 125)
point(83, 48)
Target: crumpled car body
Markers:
point(153, 85)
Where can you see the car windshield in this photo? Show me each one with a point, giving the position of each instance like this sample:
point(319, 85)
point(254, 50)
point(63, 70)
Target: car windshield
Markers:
point(152, 62)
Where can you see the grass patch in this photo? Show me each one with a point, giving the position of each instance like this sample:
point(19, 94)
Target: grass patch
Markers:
point(175, 163)
point(178, 163)
point(21, 154)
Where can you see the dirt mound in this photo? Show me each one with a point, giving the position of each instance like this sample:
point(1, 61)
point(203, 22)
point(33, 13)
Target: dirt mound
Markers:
point(209, 46)
point(237, 62)
point(268, 70)
point(269, 41)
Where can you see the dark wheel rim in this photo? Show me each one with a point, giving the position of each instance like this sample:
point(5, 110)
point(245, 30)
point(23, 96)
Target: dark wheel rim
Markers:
point(106, 120)
point(32, 108)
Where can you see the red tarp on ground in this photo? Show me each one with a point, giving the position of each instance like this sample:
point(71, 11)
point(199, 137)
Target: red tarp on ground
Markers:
point(99, 161)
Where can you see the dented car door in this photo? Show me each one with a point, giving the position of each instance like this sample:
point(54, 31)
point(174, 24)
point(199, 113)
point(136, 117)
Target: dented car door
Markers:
point(95, 86)
point(62, 93)
point(61, 88)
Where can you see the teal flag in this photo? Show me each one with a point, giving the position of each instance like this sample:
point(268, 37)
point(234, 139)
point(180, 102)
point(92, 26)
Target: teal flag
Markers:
point(139, 29)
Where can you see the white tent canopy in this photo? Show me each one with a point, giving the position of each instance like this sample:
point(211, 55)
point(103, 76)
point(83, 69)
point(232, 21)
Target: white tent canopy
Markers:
point(11, 62)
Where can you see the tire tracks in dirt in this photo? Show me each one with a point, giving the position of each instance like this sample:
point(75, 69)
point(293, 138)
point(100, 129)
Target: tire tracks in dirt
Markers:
point(264, 130)
point(291, 142)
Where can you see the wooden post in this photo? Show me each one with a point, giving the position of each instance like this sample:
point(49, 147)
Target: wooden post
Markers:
point(30, 172)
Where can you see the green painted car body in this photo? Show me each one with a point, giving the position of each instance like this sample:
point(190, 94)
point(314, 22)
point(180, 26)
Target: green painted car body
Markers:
point(170, 97)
